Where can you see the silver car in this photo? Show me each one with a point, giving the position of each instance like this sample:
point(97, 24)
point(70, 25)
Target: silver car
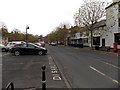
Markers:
point(3, 48)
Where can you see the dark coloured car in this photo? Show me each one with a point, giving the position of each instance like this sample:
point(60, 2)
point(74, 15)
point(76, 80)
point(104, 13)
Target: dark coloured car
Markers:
point(29, 48)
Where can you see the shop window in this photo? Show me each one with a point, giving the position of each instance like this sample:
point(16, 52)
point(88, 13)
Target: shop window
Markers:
point(117, 38)
point(85, 40)
point(80, 41)
point(96, 40)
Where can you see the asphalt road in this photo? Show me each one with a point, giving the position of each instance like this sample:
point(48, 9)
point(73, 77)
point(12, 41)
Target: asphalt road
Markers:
point(25, 71)
point(86, 68)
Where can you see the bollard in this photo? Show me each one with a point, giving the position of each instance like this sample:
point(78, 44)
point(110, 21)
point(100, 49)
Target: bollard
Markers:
point(43, 78)
point(10, 85)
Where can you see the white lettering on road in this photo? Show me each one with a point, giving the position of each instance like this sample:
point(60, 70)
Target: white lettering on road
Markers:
point(55, 72)
point(56, 78)
point(54, 69)
point(115, 81)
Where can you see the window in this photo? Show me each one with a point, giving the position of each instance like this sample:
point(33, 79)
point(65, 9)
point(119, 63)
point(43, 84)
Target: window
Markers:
point(23, 45)
point(96, 40)
point(30, 45)
point(117, 38)
point(18, 45)
point(119, 22)
point(80, 41)
point(85, 40)
point(119, 7)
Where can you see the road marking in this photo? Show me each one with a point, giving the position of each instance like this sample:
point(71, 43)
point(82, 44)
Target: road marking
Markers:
point(109, 64)
point(18, 63)
point(5, 54)
point(57, 78)
point(63, 77)
point(115, 81)
point(54, 70)
point(1, 64)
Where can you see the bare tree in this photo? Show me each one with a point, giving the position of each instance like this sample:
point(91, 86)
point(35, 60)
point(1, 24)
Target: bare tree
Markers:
point(91, 12)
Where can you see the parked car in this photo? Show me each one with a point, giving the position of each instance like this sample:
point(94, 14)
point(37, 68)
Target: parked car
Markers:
point(53, 44)
point(38, 44)
point(3, 48)
point(49, 43)
point(29, 48)
point(10, 44)
point(42, 43)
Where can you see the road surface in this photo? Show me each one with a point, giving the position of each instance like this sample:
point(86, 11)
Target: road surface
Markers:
point(86, 68)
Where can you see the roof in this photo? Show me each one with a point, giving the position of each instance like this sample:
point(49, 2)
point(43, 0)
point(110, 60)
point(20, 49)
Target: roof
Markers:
point(112, 4)
point(101, 23)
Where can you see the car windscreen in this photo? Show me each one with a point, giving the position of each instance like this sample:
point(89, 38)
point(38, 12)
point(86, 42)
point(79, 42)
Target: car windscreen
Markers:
point(17, 45)
point(13, 44)
point(34, 45)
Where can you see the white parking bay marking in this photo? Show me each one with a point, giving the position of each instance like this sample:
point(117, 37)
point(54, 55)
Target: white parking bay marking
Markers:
point(5, 54)
point(115, 81)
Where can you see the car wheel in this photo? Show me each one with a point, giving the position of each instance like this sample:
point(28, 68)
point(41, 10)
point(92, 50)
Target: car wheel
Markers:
point(40, 53)
point(3, 50)
point(16, 53)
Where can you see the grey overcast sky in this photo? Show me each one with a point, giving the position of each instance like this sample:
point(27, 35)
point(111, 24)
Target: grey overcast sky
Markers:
point(42, 16)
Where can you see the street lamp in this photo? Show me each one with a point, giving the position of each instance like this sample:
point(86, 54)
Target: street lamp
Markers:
point(27, 27)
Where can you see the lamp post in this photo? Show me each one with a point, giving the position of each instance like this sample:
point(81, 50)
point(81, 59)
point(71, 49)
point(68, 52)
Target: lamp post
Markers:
point(27, 27)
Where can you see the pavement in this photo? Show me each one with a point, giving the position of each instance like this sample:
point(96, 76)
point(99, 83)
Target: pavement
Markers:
point(93, 49)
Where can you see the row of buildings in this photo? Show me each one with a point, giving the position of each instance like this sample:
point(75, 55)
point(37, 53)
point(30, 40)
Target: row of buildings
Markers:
point(106, 33)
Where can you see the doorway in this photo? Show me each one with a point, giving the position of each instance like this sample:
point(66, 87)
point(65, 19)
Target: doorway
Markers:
point(103, 42)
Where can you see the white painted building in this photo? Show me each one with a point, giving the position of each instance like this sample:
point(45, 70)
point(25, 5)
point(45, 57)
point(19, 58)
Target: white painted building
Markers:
point(107, 31)
point(98, 32)
point(112, 34)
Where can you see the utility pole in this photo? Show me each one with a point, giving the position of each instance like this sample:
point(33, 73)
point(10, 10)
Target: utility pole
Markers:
point(27, 27)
